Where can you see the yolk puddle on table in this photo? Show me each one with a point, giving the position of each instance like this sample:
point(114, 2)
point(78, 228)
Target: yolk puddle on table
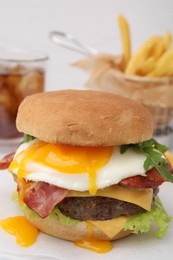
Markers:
point(25, 233)
point(97, 246)
point(93, 244)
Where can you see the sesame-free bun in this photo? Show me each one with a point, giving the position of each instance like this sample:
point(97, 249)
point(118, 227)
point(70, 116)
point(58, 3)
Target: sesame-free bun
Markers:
point(84, 118)
point(79, 231)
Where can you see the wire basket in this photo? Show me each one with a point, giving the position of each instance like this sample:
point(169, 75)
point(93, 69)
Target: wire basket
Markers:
point(163, 120)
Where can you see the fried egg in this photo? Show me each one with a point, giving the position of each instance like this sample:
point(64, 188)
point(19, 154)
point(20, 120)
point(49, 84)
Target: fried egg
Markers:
point(76, 168)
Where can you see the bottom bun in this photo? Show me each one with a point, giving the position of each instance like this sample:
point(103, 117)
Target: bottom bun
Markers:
point(52, 226)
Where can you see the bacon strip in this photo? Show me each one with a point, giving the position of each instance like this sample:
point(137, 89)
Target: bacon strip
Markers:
point(153, 179)
point(43, 197)
point(5, 161)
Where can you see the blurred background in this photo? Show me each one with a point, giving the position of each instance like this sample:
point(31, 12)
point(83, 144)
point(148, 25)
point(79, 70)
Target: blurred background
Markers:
point(26, 23)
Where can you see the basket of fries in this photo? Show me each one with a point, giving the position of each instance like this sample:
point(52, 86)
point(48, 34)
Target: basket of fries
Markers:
point(146, 76)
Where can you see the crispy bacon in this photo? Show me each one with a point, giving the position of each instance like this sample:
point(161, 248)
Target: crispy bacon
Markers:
point(5, 161)
point(153, 179)
point(43, 197)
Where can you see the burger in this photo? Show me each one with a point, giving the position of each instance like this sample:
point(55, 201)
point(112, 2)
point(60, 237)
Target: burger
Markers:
point(88, 168)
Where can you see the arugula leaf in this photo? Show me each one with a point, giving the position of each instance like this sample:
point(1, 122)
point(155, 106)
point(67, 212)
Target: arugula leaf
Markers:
point(154, 156)
point(27, 138)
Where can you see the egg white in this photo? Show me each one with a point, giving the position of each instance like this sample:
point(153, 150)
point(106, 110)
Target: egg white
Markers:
point(120, 166)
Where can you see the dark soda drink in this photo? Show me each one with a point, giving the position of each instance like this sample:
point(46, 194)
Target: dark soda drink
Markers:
point(15, 84)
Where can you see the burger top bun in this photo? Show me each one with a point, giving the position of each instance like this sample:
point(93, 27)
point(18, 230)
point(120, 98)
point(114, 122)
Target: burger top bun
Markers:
point(84, 118)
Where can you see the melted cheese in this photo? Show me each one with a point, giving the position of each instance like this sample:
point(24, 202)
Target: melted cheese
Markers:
point(92, 243)
point(110, 227)
point(142, 198)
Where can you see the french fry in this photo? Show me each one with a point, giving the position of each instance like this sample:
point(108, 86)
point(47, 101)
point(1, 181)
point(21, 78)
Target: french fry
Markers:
point(159, 49)
point(125, 36)
point(164, 66)
point(142, 54)
point(167, 40)
point(169, 72)
point(162, 72)
point(154, 58)
point(146, 67)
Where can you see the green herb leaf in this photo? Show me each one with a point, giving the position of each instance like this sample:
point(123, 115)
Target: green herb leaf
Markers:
point(124, 148)
point(154, 156)
point(27, 138)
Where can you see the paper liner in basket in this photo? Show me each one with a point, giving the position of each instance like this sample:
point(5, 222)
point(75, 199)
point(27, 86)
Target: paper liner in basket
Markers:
point(106, 74)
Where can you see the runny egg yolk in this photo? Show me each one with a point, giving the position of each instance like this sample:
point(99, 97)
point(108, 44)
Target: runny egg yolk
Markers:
point(65, 159)
point(90, 243)
point(97, 246)
point(21, 187)
point(25, 233)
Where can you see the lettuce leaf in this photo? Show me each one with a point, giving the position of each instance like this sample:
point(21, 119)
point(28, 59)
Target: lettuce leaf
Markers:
point(142, 222)
point(54, 214)
point(29, 211)
point(62, 218)
point(14, 196)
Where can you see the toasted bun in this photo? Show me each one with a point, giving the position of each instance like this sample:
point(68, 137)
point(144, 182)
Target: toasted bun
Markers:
point(84, 118)
point(79, 231)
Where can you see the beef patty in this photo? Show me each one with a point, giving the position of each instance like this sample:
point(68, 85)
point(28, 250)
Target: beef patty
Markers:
point(98, 208)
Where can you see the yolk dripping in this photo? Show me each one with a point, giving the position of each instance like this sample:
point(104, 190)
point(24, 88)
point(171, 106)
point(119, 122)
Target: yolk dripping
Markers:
point(66, 159)
point(25, 233)
point(22, 187)
point(90, 243)
point(97, 246)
